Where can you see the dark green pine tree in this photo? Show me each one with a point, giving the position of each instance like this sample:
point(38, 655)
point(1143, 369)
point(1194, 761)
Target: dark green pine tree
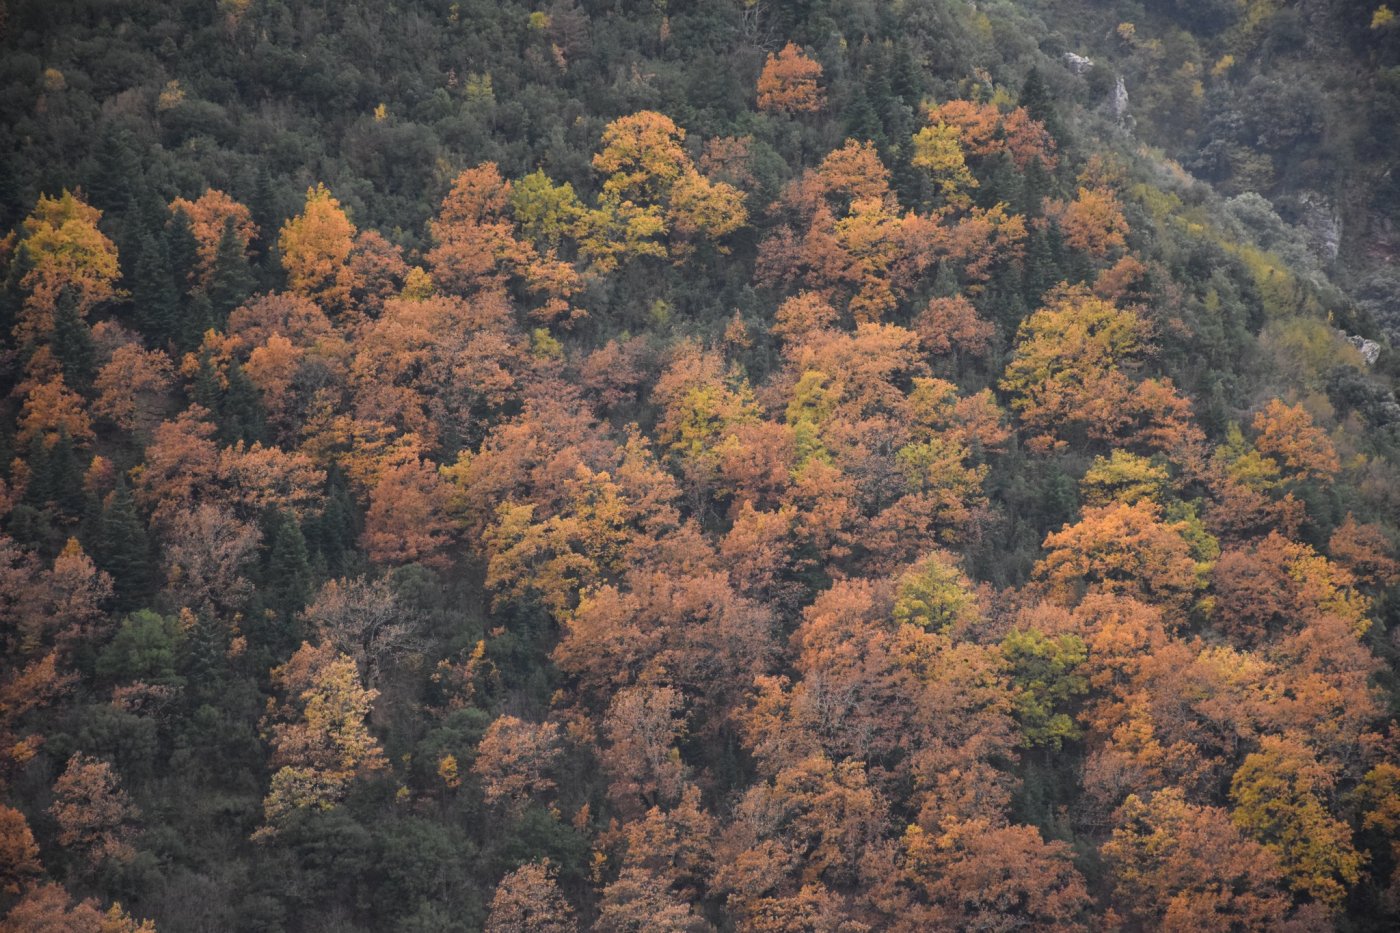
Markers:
point(1034, 189)
point(194, 317)
point(204, 659)
point(231, 280)
point(72, 343)
point(206, 390)
point(1036, 98)
point(333, 533)
point(241, 417)
point(1042, 264)
point(11, 191)
point(11, 291)
point(1000, 182)
point(53, 499)
point(184, 249)
point(117, 172)
point(122, 547)
point(55, 475)
point(945, 281)
point(286, 566)
point(154, 298)
point(862, 122)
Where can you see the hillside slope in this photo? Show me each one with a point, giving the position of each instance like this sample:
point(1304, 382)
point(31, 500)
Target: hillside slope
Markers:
point(729, 465)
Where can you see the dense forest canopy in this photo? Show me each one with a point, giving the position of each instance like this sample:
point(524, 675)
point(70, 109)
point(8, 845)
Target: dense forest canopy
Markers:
point(645, 465)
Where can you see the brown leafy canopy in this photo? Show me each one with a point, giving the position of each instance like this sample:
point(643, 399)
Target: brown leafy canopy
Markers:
point(528, 901)
point(94, 814)
point(1182, 867)
point(790, 83)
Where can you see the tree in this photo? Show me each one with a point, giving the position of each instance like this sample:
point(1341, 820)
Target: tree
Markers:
point(642, 157)
point(66, 252)
point(528, 901)
point(122, 548)
point(208, 552)
point(315, 248)
point(1182, 867)
point(1122, 549)
point(935, 596)
point(952, 326)
point(51, 409)
point(983, 130)
point(154, 297)
point(1280, 796)
point(643, 727)
point(515, 760)
point(286, 579)
point(1288, 434)
point(363, 619)
point(48, 908)
point(638, 902)
point(476, 243)
point(1091, 223)
point(979, 876)
point(93, 812)
point(19, 854)
point(1071, 364)
point(72, 342)
point(144, 649)
point(939, 150)
point(790, 83)
point(1124, 477)
point(1366, 551)
point(546, 213)
point(231, 281)
point(321, 741)
point(652, 189)
point(75, 599)
point(406, 521)
point(214, 216)
point(1274, 584)
point(133, 388)
point(1046, 675)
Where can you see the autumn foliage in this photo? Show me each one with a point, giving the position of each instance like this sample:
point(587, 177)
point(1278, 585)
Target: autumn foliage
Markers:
point(820, 516)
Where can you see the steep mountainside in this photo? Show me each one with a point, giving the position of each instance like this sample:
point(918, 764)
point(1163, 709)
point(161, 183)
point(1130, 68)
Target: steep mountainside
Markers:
point(826, 465)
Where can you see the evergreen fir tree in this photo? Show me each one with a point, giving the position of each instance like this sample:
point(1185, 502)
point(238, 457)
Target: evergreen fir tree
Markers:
point(241, 414)
point(122, 547)
point(72, 343)
point(196, 317)
point(11, 192)
point(11, 292)
point(155, 300)
point(232, 280)
point(184, 249)
point(55, 475)
point(333, 533)
point(1042, 264)
point(287, 566)
point(1035, 97)
point(206, 390)
point(862, 122)
point(116, 173)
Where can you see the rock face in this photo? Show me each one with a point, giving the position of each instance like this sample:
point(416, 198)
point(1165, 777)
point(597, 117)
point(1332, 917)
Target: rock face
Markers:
point(1078, 63)
point(1323, 225)
point(1370, 350)
point(1120, 100)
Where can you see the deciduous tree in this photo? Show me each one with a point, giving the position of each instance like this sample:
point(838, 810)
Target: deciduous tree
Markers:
point(790, 82)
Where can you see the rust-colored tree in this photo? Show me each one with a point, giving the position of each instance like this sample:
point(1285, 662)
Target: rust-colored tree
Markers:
point(790, 83)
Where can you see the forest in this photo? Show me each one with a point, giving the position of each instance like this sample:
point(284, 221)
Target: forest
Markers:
point(535, 466)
